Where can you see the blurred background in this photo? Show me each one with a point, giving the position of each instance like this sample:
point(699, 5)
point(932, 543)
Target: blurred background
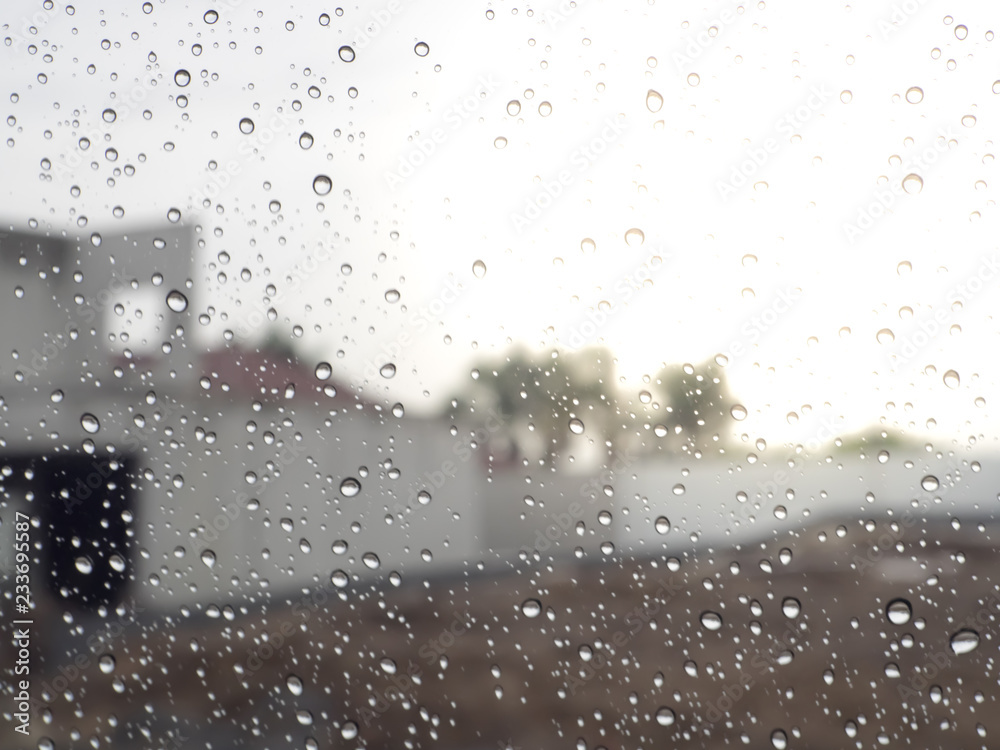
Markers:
point(496, 375)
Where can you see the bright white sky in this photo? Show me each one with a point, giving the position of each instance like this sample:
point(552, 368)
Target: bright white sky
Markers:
point(660, 175)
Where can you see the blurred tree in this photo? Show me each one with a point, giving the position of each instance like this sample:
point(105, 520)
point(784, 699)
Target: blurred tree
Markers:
point(538, 394)
point(697, 401)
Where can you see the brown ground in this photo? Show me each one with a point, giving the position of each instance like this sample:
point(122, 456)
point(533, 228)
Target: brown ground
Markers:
point(545, 695)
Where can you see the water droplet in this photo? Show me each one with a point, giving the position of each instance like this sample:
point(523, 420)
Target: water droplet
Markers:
point(791, 607)
point(370, 559)
point(738, 412)
point(387, 371)
point(350, 487)
point(913, 183)
point(634, 237)
point(339, 547)
point(89, 423)
point(846, 96)
point(210, 17)
point(711, 620)
point(665, 716)
point(346, 53)
point(513, 107)
point(176, 301)
point(246, 126)
point(84, 565)
point(499, 142)
point(109, 115)
point(323, 371)
point(964, 641)
point(398, 410)
point(545, 109)
point(914, 95)
point(117, 563)
point(421, 49)
point(654, 102)
point(679, 489)
point(961, 31)
point(306, 141)
point(951, 379)
point(576, 426)
point(107, 663)
point(883, 456)
point(294, 685)
point(898, 611)
point(693, 79)
point(208, 557)
point(182, 78)
point(662, 525)
point(885, 336)
point(779, 739)
point(930, 483)
point(531, 608)
point(322, 184)
point(339, 579)
point(479, 269)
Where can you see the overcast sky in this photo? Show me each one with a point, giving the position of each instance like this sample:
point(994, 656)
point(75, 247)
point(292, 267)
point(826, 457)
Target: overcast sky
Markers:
point(751, 172)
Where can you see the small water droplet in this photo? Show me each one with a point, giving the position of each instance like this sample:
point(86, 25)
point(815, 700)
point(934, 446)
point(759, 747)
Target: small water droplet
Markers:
point(107, 663)
point(913, 183)
point(322, 184)
point(479, 269)
point(791, 607)
point(885, 336)
point(89, 423)
point(182, 78)
point(246, 126)
point(914, 95)
point(576, 426)
point(662, 525)
point(711, 620)
point(898, 611)
point(665, 716)
point(371, 560)
point(294, 684)
point(208, 557)
point(176, 301)
point(951, 379)
point(531, 608)
point(634, 237)
point(693, 79)
point(210, 17)
point(964, 641)
point(346, 53)
point(738, 412)
point(654, 102)
point(930, 483)
point(513, 107)
point(387, 370)
point(421, 49)
point(350, 487)
point(339, 579)
point(84, 565)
